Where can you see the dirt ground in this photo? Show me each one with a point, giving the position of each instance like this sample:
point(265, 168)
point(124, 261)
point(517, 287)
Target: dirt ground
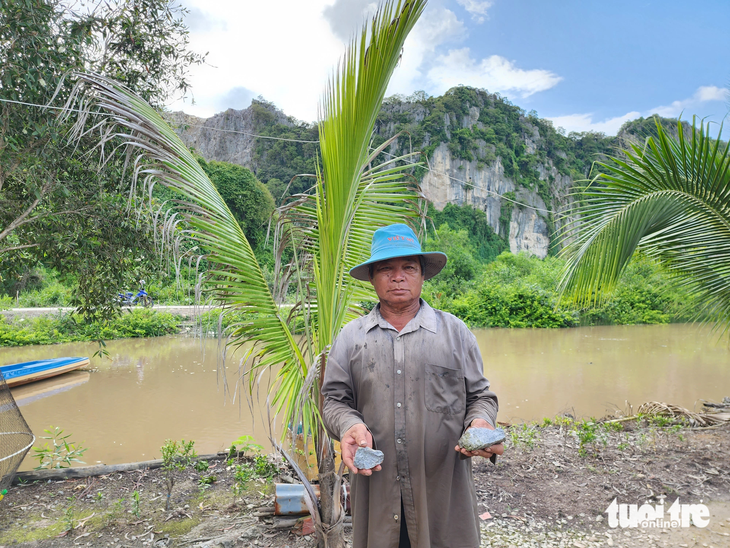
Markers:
point(552, 487)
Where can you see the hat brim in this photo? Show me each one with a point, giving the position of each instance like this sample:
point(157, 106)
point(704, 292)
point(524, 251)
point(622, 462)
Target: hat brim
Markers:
point(435, 261)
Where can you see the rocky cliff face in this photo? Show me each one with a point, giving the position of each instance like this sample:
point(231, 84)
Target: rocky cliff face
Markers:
point(516, 213)
point(525, 211)
point(481, 150)
point(226, 137)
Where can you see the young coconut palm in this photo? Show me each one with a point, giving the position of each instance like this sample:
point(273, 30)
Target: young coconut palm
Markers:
point(332, 227)
point(669, 199)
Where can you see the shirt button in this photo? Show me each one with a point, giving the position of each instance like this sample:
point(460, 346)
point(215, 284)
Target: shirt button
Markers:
point(397, 404)
point(399, 440)
point(397, 339)
point(398, 371)
point(395, 517)
point(397, 478)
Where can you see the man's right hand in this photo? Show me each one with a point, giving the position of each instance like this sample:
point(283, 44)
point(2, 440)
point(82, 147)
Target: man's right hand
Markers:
point(357, 436)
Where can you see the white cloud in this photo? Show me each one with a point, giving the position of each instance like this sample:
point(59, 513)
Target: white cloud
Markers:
point(585, 122)
point(286, 50)
point(495, 73)
point(283, 50)
point(347, 16)
point(436, 27)
point(476, 8)
point(703, 94)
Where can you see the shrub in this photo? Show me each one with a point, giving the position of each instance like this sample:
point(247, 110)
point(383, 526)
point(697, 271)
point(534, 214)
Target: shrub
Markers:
point(70, 327)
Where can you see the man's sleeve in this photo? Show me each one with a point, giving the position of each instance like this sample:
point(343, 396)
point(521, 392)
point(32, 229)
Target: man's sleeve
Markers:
point(339, 413)
point(481, 403)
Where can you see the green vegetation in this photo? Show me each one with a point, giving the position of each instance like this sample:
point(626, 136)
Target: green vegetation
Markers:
point(591, 435)
point(258, 467)
point(139, 322)
point(176, 457)
point(61, 453)
point(249, 200)
point(484, 244)
point(481, 283)
point(65, 207)
point(522, 291)
point(669, 199)
point(243, 445)
point(278, 163)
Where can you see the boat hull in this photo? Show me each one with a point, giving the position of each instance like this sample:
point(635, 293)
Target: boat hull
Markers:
point(23, 373)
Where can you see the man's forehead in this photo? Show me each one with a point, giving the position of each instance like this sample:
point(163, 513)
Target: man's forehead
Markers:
point(409, 259)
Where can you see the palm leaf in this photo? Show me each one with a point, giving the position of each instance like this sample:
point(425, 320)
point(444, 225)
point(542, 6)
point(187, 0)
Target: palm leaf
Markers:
point(670, 200)
point(334, 225)
point(235, 278)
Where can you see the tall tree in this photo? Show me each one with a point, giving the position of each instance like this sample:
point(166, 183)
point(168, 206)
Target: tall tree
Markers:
point(332, 229)
point(670, 199)
point(61, 205)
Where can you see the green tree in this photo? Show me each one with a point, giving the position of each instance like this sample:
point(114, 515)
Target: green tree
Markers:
point(331, 228)
point(485, 244)
point(248, 199)
point(669, 199)
point(59, 208)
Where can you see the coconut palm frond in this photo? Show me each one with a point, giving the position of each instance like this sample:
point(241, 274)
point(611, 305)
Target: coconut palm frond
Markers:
point(235, 278)
point(670, 200)
point(348, 113)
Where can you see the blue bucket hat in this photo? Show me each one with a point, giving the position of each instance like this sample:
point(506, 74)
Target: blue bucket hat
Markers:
point(394, 241)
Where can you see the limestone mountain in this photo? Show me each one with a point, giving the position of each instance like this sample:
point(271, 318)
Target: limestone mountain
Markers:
point(478, 148)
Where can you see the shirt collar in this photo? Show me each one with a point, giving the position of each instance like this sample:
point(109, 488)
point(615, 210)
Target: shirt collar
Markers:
point(425, 317)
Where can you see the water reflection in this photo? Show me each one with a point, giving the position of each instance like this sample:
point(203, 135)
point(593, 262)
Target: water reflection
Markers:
point(28, 393)
point(171, 387)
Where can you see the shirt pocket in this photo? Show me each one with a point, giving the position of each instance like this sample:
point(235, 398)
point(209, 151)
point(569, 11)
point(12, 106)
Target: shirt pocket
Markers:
point(445, 391)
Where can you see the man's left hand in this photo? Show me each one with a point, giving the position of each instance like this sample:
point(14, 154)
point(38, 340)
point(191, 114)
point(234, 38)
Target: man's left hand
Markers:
point(486, 452)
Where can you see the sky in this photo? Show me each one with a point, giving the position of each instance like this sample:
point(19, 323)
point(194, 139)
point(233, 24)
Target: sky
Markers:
point(587, 65)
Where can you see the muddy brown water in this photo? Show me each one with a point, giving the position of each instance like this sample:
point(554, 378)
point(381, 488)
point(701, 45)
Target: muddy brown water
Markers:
point(149, 390)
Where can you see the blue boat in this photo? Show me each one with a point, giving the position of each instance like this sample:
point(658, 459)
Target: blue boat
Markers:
point(23, 373)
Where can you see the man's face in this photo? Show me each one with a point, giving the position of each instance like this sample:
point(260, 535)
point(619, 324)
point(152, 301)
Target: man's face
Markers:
point(398, 281)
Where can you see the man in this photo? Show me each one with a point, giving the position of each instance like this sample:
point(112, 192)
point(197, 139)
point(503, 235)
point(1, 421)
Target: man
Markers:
point(407, 379)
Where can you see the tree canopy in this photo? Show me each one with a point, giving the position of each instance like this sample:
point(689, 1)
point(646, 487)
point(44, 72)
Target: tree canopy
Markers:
point(248, 199)
point(68, 207)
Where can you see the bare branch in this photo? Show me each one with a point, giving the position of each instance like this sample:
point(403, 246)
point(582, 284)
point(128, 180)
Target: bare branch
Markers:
point(5, 250)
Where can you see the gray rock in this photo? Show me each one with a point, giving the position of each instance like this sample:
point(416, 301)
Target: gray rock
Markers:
point(481, 438)
point(366, 458)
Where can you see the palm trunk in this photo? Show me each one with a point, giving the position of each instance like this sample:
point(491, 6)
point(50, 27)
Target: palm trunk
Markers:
point(331, 534)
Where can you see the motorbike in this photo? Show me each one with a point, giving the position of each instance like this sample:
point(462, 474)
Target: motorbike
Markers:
point(141, 298)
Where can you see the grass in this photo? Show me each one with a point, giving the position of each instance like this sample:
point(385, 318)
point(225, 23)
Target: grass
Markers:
point(34, 528)
point(591, 434)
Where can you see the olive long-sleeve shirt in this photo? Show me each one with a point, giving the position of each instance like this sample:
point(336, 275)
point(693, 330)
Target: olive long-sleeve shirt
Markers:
point(416, 391)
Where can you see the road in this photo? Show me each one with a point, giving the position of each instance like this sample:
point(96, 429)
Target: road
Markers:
point(187, 312)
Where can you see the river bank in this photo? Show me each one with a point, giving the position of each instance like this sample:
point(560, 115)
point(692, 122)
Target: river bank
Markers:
point(552, 487)
point(174, 387)
point(185, 312)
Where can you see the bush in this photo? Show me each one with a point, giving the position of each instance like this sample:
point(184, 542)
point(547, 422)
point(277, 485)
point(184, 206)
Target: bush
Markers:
point(511, 306)
point(70, 328)
point(521, 291)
